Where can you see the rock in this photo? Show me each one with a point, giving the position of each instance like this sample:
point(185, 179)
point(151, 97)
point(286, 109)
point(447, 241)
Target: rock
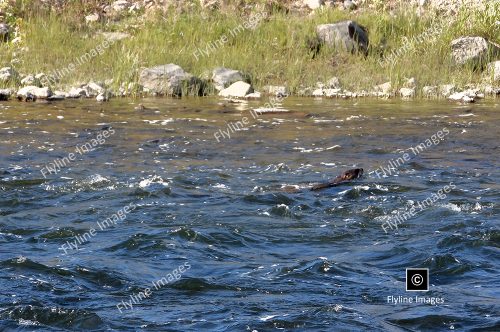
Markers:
point(30, 80)
point(169, 80)
point(331, 93)
point(120, 5)
point(472, 50)
point(76, 93)
point(318, 93)
point(467, 96)
point(102, 97)
point(490, 90)
point(447, 89)
point(277, 90)
point(58, 95)
point(345, 35)
point(430, 91)
point(385, 88)
point(8, 74)
point(314, 4)
point(5, 94)
point(253, 95)
point(407, 92)
point(92, 18)
point(493, 69)
point(411, 83)
point(224, 77)
point(333, 83)
point(238, 89)
point(4, 31)
point(115, 36)
point(93, 89)
point(33, 92)
point(349, 5)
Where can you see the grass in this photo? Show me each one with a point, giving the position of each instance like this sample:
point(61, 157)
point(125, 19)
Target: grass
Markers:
point(274, 53)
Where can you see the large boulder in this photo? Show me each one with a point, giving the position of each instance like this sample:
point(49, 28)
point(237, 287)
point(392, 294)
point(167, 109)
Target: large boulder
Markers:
point(169, 80)
point(345, 35)
point(472, 50)
point(224, 77)
point(238, 89)
point(33, 92)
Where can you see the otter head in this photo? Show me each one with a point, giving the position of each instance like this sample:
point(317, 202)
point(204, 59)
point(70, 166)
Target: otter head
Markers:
point(352, 174)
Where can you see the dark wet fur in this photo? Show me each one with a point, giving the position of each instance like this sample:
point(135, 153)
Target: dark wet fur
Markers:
point(344, 177)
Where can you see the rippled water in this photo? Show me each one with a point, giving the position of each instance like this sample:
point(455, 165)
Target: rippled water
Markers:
point(251, 255)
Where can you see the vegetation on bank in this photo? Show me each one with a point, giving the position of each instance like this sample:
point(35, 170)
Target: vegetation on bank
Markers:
point(277, 52)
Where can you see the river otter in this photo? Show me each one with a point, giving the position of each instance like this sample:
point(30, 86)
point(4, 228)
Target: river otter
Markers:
point(344, 177)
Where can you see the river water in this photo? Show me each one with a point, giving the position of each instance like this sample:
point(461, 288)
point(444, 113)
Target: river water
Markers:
point(154, 225)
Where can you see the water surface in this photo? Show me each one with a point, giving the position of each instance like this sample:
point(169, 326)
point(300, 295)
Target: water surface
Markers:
point(259, 258)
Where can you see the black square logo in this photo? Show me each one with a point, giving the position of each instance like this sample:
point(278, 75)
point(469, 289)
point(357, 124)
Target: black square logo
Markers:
point(417, 280)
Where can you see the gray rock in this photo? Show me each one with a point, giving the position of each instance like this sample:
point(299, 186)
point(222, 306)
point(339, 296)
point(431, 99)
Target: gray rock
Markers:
point(333, 83)
point(253, 95)
point(467, 96)
point(349, 5)
point(169, 80)
point(102, 97)
point(447, 89)
point(430, 91)
point(58, 95)
point(4, 31)
point(33, 92)
point(407, 92)
point(313, 4)
point(472, 50)
point(494, 70)
point(76, 93)
point(120, 5)
point(8, 74)
point(5, 94)
point(224, 77)
point(345, 35)
point(93, 89)
point(30, 80)
point(277, 90)
point(238, 89)
point(385, 88)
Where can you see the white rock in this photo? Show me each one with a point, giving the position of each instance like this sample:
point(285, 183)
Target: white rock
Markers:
point(224, 77)
point(473, 50)
point(430, 91)
point(447, 89)
point(120, 5)
point(314, 4)
point(30, 80)
point(102, 97)
point(33, 92)
point(253, 95)
point(318, 93)
point(92, 18)
point(385, 88)
point(332, 92)
point(76, 93)
point(411, 83)
point(238, 89)
point(115, 36)
point(407, 92)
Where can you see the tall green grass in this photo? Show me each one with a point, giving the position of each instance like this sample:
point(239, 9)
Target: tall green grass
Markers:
point(275, 52)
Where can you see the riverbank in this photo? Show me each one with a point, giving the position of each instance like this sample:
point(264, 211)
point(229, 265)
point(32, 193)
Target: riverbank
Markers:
point(104, 49)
